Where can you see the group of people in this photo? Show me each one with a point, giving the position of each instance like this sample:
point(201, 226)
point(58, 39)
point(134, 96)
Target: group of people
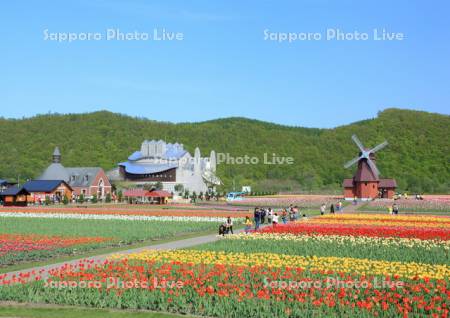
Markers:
point(263, 216)
point(271, 216)
point(226, 227)
point(333, 208)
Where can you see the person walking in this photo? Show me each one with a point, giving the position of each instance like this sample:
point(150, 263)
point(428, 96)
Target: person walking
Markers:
point(257, 217)
point(230, 225)
point(332, 208)
point(248, 224)
point(275, 220)
point(263, 216)
point(339, 206)
point(395, 209)
point(322, 209)
point(269, 216)
point(284, 216)
point(296, 212)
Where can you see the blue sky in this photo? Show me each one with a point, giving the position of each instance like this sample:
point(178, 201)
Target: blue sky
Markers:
point(223, 66)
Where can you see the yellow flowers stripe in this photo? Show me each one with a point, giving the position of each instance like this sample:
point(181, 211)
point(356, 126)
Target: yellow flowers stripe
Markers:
point(343, 240)
point(379, 222)
point(411, 218)
point(338, 264)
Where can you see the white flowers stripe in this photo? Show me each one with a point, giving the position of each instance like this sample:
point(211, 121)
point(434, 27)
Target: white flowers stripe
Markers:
point(115, 217)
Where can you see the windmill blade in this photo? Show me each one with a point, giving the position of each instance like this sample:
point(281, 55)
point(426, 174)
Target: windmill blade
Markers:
point(374, 168)
point(351, 162)
point(358, 143)
point(379, 147)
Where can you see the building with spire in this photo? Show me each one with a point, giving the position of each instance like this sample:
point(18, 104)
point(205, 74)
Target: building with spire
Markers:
point(88, 181)
point(170, 164)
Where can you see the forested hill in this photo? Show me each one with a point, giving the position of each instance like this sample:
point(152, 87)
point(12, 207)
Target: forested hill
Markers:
point(417, 155)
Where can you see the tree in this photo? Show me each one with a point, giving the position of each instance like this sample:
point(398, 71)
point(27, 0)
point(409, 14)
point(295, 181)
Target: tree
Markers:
point(94, 199)
point(65, 200)
point(418, 145)
point(120, 196)
point(81, 198)
point(194, 197)
point(178, 188)
point(108, 198)
point(47, 200)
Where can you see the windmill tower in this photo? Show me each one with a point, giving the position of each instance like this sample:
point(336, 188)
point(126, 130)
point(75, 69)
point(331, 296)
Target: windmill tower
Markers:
point(366, 183)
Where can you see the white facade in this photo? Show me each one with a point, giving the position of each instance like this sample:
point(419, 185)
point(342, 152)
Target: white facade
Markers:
point(155, 158)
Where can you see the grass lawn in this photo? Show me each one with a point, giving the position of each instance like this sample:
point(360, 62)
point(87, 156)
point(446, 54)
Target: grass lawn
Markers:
point(47, 311)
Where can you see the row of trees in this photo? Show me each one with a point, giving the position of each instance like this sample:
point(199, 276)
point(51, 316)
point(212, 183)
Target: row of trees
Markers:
point(417, 155)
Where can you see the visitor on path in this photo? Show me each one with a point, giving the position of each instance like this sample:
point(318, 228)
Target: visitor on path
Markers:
point(223, 229)
point(390, 210)
point(355, 200)
point(275, 220)
point(263, 215)
point(293, 214)
point(395, 209)
point(339, 207)
point(322, 209)
point(284, 216)
point(248, 224)
point(332, 208)
point(257, 217)
point(296, 212)
point(269, 216)
point(230, 225)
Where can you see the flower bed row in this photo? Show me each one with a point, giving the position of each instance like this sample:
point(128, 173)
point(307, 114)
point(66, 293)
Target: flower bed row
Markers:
point(129, 217)
point(390, 218)
point(20, 247)
point(10, 243)
point(361, 230)
point(311, 263)
point(410, 205)
point(375, 223)
point(131, 213)
point(222, 289)
point(344, 240)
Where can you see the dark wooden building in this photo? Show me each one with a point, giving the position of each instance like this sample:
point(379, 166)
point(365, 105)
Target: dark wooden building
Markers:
point(15, 196)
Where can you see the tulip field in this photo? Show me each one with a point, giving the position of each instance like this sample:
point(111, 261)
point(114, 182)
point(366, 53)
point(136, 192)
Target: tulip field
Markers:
point(36, 236)
point(347, 265)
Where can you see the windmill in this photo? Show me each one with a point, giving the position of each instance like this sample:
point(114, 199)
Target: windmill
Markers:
point(366, 183)
point(366, 155)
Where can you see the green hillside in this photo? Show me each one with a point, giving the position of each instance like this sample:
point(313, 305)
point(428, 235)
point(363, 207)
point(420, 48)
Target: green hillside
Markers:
point(418, 155)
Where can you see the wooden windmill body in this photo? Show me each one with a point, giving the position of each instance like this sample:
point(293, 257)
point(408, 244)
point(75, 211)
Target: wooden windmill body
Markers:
point(366, 183)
